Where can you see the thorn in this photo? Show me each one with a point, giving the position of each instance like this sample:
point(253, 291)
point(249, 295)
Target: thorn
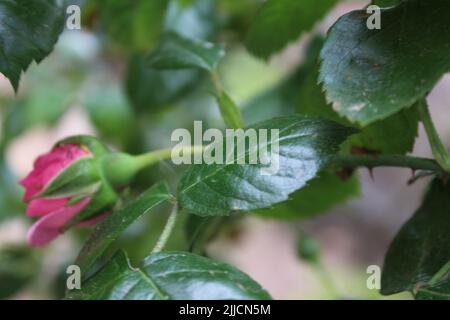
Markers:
point(413, 177)
point(419, 175)
point(371, 173)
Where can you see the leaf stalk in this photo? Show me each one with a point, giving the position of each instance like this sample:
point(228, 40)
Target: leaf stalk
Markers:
point(438, 148)
point(230, 113)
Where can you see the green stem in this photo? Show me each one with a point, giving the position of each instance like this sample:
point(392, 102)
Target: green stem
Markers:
point(326, 280)
point(150, 158)
point(414, 163)
point(167, 231)
point(343, 161)
point(437, 146)
point(440, 274)
point(216, 82)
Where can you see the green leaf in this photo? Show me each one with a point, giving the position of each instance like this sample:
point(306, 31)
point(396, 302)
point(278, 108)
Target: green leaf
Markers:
point(386, 3)
point(282, 99)
point(111, 228)
point(311, 99)
point(200, 230)
point(30, 29)
point(169, 275)
point(229, 111)
point(305, 146)
point(177, 52)
point(369, 75)
point(149, 89)
point(319, 195)
point(281, 21)
point(134, 24)
point(421, 247)
point(44, 105)
point(10, 194)
point(196, 227)
point(394, 135)
point(194, 20)
point(18, 266)
point(110, 112)
point(270, 103)
point(300, 92)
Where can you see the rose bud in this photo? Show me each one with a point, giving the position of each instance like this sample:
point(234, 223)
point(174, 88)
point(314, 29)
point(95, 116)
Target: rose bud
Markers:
point(73, 185)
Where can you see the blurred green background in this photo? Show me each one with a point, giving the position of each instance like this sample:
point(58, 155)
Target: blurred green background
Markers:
point(96, 82)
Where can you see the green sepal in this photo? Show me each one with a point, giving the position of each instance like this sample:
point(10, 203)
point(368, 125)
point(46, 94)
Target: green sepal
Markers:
point(73, 201)
point(104, 200)
point(94, 145)
point(80, 177)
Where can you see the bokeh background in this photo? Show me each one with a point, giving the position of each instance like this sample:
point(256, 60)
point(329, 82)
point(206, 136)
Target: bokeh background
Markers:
point(95, 83)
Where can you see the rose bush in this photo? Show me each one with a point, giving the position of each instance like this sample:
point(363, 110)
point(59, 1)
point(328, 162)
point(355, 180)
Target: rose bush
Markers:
point(354, 97)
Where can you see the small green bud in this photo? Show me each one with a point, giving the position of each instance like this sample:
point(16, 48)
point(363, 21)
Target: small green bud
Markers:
point(308, 249)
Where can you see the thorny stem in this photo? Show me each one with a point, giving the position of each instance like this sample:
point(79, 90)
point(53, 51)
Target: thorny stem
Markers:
point(370, 161)
point(340, 161)
point(348, 161)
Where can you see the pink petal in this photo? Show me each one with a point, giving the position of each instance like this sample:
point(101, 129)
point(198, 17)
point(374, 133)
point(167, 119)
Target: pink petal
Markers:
point(48, 166)
point(41, 207)
point(48, 227)
point(93, 221)
point(64, 153)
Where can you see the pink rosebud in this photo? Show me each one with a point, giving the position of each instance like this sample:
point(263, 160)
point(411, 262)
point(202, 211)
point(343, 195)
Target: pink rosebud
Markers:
point(53, 213)
point(75, 184)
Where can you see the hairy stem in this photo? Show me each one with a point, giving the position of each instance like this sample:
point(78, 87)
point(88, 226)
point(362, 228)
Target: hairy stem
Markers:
point(167, 231)
point(437, 146)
